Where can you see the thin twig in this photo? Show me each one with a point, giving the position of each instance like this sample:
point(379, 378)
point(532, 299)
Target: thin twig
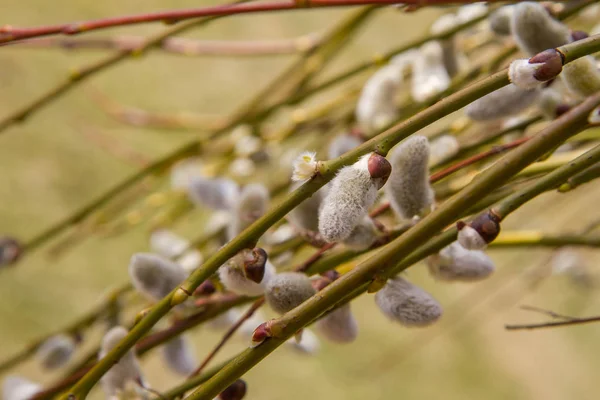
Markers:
point(549, 313)
point(255, 306)
point(553, 324)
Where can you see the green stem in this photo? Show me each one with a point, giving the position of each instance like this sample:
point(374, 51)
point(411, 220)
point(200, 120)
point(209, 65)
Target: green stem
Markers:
point(285, 326)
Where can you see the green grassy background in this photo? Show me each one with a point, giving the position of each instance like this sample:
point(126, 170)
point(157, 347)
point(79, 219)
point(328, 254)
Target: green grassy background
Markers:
point(47, 169)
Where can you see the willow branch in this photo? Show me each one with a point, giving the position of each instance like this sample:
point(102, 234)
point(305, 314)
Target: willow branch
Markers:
point(285, 326)
point(546, 140)
point(553, 324)
point(183, 46)
point(539, 239)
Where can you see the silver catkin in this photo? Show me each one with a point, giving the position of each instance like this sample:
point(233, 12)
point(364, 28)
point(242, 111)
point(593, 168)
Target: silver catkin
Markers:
point(362, 236)
point(179, 355)
point(504, 102)
point(306, 215)
point(408, 188)
point(233, 278)
point(56, 351)
point(339, 326)
point(455, 263)
point(218, 194)
point(534, 30)
point(155, 276)
point(407, 304)
point(351, 194)
point(288, 290)
point(124, 372)
point(500, 20)
point(582, 76)
point(17, 388)
point(252, 204)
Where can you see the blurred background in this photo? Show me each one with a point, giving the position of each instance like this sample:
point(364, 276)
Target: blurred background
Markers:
point(51, 165)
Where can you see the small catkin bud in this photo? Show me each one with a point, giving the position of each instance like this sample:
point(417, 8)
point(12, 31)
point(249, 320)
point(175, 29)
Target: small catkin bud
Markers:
point(179, 355)
point(17, 388)
point(480, 232)
point(218, 194)
point(154, 276)
point(376, 106)
point(407, 304)
point(306, 215)
point(352, 192)
point(251, 204)
point(342, 144)
point(455, 263)
point(363, 235)
point(308, 344)
point(125, 371)
point(408, 189)
point(305, 166)
point(504, 102)
point(535, 30)
point(56, 351)
point(582, 76)
point(247, 272)
point(442, 149)
point(261, 333)
point(549, 102)
point(529, 74)
point(339, 325)
point(235, 391)
point(429, 74)
point(10, 250)
point(287, 291)
point(500, 20)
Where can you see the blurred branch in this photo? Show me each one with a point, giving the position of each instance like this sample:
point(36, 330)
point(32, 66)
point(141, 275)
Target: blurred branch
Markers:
point(184, 46)
point(546, 312)
point(553, 324)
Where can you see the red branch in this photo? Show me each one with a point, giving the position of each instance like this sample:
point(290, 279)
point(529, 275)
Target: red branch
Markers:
point(9, 33)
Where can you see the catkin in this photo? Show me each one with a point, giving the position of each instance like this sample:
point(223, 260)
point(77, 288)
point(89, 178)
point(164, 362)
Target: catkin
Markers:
point(155, 276)
point(455, 263)
point(339, 325)
point(534, 30)
point(504, 102)
point(288, 290)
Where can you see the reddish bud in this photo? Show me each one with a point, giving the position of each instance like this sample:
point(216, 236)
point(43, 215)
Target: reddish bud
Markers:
point(321, 283)
point(254, 268)
point(552, 64)
point(331, 274)
point(579, 35)
point(479, 232)
point(206, 288)
point(235, 391)
point(10, 251)
point(379, 167)
point(261, 333)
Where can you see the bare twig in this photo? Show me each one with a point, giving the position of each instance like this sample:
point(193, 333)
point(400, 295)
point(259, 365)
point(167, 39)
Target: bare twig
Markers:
point(549, 313)
point(554, 324)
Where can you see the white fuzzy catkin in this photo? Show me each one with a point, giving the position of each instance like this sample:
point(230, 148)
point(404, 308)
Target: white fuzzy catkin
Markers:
point(582, 76)
point(306, 215)
point(288, 290)
point(429, 74)
point(504, 102)
point(362, 236)
point(342, 144)
point(217, 194)
point(352, 192)
point(124, 372)
point(154, 276)
point(251, 204)
point(17, 388)
point(407, 304)
point(408, 188)
point(234, 279)
point(376, 106)
point(183, 172)
point(500, 20)
point(339, 325)
point(455, 263)
point(305, 166)
point(521, 74)
point(442, 149)
point(441, 25)
point(167, 243)
point(56, 351)
point(470, 239)
point(534, 30)
point(179, 355)
point(309, 342)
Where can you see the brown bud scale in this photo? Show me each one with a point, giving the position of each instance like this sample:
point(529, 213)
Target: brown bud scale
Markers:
point(379, 167)
point(552, 64)
point(235, 391)
point(487, 225)
point(254, 268)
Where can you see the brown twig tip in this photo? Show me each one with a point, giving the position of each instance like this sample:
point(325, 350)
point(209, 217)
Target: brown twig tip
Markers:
point(235, 391)
point(206, 288)
point(379, 167)
point(10, 250)
point(261, 333)
point(478, 233)
point(254, 268)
